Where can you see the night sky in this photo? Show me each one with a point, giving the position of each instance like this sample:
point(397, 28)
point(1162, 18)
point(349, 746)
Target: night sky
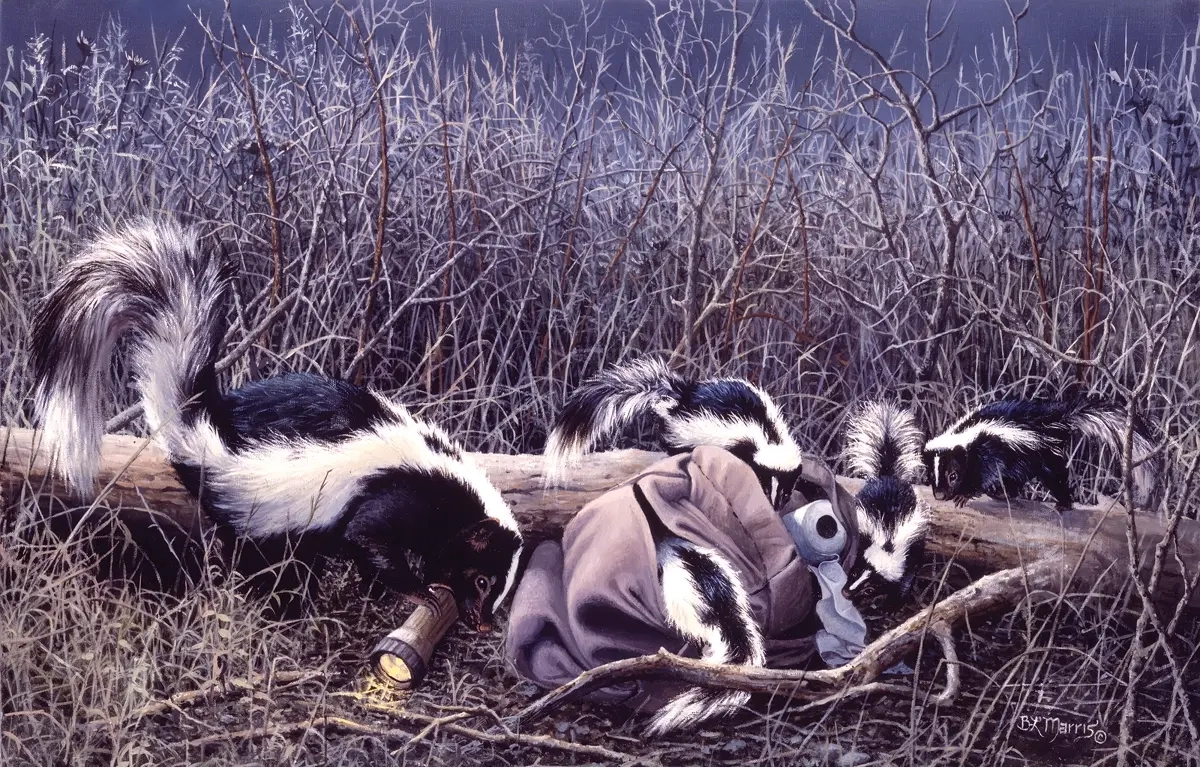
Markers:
point(1067, 26)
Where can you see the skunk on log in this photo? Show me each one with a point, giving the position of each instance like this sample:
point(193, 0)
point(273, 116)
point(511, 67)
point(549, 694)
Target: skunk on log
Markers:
point(295, 468)
point(729, 413)
point(997, 449)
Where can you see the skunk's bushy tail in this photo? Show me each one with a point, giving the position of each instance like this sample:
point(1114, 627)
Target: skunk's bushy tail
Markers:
point(1106, 422)
point(883, 440)
point(606, 403)
point(706, 604)
point(152, 278)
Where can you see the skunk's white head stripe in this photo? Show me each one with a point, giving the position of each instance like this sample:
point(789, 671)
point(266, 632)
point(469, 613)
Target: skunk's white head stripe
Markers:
point(866, 574)
point(510, 579)
point(912, 529)
point(1007, 432)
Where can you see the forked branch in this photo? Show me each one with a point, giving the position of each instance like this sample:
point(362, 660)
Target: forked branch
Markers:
point(1004, 588)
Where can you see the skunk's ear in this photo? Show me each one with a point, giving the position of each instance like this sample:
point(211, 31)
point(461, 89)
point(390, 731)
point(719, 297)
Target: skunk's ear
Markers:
point(478, 537)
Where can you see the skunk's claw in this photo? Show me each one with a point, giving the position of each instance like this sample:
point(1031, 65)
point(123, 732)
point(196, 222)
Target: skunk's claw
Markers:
point(424, 598)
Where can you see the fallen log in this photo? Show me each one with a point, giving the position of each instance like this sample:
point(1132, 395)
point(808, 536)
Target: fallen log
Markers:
point(1088, 543)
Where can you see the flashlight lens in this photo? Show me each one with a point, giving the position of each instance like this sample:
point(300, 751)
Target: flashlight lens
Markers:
point(394, 668)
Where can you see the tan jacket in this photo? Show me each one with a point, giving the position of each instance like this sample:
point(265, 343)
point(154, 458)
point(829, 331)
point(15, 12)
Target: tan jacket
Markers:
point(595, 598)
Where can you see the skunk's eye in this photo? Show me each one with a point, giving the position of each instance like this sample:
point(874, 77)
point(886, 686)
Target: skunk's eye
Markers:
point(952, 477)
point(482, 583)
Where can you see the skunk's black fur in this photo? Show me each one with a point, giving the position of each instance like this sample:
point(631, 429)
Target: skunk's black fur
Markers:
point(297, 465)
point(707, 605)
point(1000, 447)
point(729, 413)
point(883, 446)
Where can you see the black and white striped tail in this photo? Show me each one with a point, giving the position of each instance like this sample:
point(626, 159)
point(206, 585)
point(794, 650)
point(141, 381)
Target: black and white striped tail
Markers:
point(150, 277)
point(706, 604)
point(1106, 423)
point(883, 440)
point(606, 403)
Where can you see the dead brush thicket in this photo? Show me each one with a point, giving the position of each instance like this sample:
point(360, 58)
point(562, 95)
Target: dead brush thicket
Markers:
point(898, 224)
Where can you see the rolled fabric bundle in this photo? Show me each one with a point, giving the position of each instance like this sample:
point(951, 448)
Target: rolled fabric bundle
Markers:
point(596, 597)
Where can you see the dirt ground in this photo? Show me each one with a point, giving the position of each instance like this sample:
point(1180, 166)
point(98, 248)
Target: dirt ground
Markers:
point(1025, 698)
point(96, 673)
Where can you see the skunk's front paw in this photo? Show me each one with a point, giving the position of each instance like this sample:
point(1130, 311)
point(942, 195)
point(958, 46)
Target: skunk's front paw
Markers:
point(427, 597)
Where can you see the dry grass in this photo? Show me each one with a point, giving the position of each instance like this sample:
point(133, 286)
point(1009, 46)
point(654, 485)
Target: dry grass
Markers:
point(94, 672)
point(892, 226)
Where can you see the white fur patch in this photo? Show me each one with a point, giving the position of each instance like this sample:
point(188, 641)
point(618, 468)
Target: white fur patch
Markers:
point(70, 438)
point(511, 578)
point(1007, 432)
point(874, 427)
point(778, 457)
point(708, 428)
point(276, 487)
point(890, 565)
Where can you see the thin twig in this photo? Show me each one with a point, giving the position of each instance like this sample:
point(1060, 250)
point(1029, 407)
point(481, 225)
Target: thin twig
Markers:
point(990, 592)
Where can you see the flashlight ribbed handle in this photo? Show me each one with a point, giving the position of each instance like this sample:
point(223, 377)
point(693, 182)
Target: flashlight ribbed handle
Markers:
point(413, 643)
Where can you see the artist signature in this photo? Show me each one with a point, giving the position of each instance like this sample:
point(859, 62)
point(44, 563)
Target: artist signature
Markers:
point(1054, 727)
point(1066, 726)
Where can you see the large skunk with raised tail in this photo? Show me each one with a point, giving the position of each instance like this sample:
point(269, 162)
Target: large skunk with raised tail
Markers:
point(298, 465)
point(707, 605)
point(997, 449)
point(883, 445)
point(729, 413)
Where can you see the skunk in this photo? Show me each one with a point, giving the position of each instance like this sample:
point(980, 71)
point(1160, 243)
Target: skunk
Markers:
point(883, 445)
point(707, 605)
point(297, 463)
point(1002, 446)
point(729, 413)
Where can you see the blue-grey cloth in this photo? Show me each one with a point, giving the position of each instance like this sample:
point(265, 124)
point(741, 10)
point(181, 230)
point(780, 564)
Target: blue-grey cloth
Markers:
point(820, 539)
point(844, 633)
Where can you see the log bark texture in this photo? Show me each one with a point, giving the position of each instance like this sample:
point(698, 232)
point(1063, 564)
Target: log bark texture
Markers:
point(1089, 542)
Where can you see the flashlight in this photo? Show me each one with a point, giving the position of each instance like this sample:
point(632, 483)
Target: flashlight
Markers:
point(402, 657)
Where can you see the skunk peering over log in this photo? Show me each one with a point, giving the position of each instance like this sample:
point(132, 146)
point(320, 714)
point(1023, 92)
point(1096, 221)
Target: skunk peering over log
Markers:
point(883, 445)
point(1000, 447)
point(707, 605)
point(728, 413)
point(298, 465)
